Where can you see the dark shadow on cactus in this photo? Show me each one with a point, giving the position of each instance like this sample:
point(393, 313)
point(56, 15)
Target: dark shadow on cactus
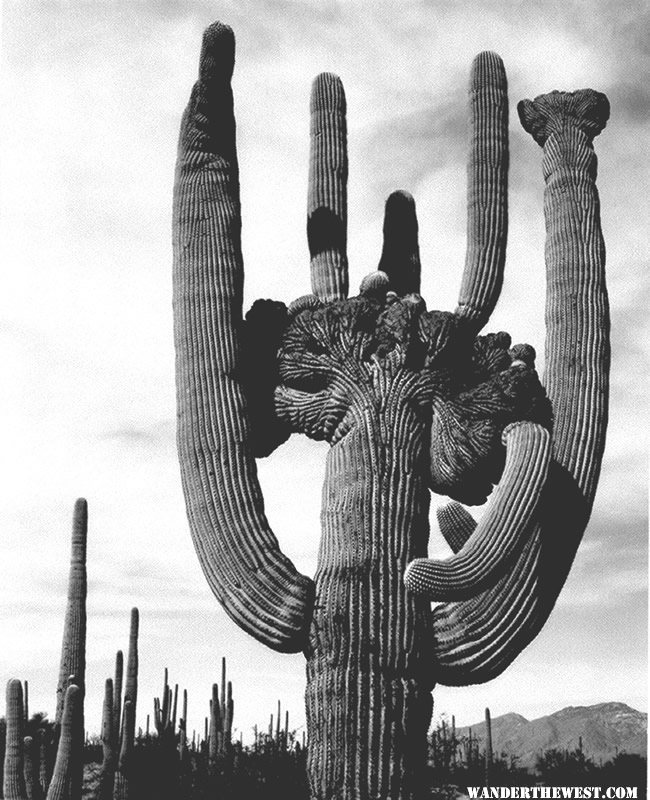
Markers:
point(565, 511)
point(261, 337)
point(325, 231)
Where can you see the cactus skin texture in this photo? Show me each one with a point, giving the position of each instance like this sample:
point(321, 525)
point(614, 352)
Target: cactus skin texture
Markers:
point(456, 524)
point(411, 401)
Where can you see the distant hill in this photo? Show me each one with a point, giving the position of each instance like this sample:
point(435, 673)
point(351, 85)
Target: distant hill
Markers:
point(606, 728)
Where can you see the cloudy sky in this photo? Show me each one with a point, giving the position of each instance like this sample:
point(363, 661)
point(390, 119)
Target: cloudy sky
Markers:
point(92, 94)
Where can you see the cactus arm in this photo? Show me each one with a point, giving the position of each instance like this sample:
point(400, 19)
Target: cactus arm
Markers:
point(73, 649)
point(14, 778)
point(257, 585)
point(69, 754)
point(487, 191)
point(456, 524)
point(327, 189)
point(400, 257)
point(478, 639)
point(577, 311)
point(498, 536)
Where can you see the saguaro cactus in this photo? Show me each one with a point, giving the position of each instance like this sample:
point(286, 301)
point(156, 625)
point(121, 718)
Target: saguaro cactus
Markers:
point(411, 401)
point(73, 648)
point(69, 755)
point(14, 779)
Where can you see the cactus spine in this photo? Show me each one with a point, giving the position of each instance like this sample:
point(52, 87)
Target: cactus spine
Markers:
point(456, 525)
point(411, 401)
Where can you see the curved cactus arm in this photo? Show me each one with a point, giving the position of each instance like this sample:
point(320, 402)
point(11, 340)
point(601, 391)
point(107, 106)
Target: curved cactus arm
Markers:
point(498, 537)
point(400, 256)
point(327, 211)
point(257, 585)
point(69, 755)
point(487, 190)
point(476, 640)
point(456, 524)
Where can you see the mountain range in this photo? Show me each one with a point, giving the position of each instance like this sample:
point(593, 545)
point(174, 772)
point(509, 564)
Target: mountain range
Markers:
point(605, 729)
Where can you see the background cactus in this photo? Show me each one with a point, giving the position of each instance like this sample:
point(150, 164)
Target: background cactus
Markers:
point(69, 757)
point(73, 649)
point(410, 401)
point(14, 779)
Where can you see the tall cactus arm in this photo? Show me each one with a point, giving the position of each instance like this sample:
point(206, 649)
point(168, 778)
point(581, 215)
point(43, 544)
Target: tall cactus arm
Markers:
point(456, 524)
point(487, 190)
point(476, 640)
point(400, 256)
point(327, 191)
point(498, 537)
point(257, 585)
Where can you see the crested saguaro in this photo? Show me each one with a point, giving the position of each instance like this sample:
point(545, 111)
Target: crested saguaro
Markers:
point(411, 402)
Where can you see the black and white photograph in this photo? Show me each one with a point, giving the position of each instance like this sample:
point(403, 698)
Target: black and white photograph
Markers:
point(324, 330)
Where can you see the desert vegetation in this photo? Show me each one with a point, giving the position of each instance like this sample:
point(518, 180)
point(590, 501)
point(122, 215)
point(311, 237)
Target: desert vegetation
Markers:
point(42, 759)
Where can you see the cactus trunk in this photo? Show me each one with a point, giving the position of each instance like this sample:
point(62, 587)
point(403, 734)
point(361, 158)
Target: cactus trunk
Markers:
point(369, 677)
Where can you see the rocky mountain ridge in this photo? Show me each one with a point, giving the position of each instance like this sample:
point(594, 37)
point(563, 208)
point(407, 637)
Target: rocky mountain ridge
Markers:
point(605, 730)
